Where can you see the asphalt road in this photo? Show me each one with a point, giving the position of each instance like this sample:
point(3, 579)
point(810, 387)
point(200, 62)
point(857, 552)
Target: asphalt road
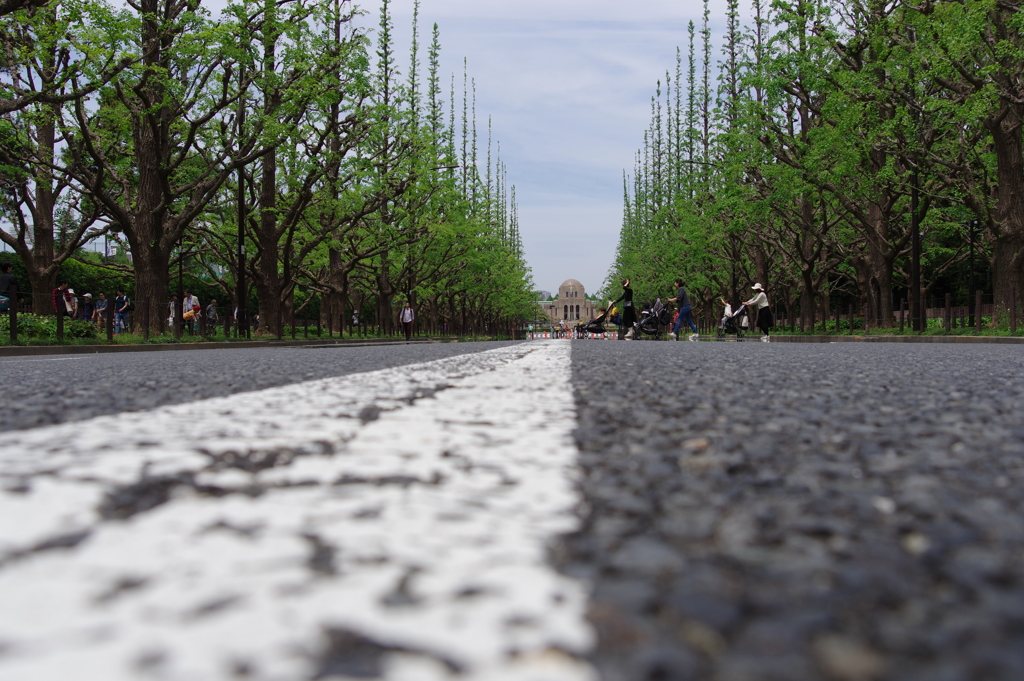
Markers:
point(40, 391)
point(787, 512)
point(745, 511)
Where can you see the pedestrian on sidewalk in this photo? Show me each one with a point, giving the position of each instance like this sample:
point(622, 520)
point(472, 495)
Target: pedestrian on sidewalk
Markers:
point(682, 301)
point(87, 309)
point(7, 284)
point(61, 299)
point(408, 316)
point(73, 311)
point(762, 313)
point(211, 317)
point(99, 313)
point(171, 307)
point(190, 311)
point(628, 311)
point(121, 302)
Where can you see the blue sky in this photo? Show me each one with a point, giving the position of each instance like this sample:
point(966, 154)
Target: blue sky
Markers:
point(568, 85)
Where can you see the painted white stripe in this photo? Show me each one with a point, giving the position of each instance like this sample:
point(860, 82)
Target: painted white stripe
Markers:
point(424, 530)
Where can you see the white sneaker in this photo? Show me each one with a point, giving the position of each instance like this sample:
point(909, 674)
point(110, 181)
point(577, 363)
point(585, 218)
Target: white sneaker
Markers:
point(671, 335)
point(694, 336)
point(629, 335)
point(764, 339)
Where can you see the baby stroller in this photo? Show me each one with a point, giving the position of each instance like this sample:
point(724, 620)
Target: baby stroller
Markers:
point(653, 322)
point(595, 325)
point(731, 324)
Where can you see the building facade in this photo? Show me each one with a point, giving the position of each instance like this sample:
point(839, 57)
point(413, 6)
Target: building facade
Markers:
point(571, 304)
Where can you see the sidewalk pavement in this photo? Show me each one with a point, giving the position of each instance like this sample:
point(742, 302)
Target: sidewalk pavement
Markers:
point(24, 351)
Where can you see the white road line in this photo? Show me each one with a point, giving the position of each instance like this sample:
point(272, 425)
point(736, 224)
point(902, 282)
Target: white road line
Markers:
point(394, 522)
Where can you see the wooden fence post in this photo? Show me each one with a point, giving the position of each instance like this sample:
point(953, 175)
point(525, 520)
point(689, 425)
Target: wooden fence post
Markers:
point(1013, 309)
point(111, 312)
point(977, 312)
point(949, 311)
point(14, 311)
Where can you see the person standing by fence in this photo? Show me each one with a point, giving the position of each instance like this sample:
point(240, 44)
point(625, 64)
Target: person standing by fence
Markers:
point(407, 317)
point(8, 282)
point(61, 299)
point(121, 312)
point(99, 314)
point(190, 310)
point(87, 309)
point(211, 317)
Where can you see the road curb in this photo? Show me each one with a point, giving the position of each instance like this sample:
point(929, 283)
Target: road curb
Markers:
point(1005, 340)
point(28, 351)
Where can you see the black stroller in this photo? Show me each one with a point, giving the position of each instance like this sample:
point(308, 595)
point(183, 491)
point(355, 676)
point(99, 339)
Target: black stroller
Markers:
point(595, 325)
point(653, 322)
point(731, 324)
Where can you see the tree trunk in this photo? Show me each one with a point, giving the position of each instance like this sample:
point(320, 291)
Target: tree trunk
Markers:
point(42, 270)
point(1008, 246)
point(152, 280)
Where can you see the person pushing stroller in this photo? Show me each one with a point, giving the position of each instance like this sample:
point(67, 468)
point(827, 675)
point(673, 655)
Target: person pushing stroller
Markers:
point(731, 321)
point(762, 313)
point(628, 311)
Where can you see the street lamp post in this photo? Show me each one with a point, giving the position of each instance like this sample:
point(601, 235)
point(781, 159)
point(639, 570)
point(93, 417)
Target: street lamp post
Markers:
point(241, 320)
point(916, 309)
point(971, 231)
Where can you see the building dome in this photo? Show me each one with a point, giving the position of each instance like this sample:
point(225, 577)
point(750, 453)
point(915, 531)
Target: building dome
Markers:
point(572, 303)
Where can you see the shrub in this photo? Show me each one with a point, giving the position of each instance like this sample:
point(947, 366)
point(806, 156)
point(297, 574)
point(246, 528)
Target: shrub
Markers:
point(44, 327)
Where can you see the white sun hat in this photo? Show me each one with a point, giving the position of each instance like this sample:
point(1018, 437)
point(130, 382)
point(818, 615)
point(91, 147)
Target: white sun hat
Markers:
point(757, 287)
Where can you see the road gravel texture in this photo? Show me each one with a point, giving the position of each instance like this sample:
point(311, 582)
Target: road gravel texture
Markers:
point(41, 391)
point(776, 512)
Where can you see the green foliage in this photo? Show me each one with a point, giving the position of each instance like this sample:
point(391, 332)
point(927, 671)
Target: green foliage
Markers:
point(828, 117)
point(39, 327)
point(354, 192)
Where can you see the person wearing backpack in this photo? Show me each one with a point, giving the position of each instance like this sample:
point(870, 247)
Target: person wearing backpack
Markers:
point(121, 312)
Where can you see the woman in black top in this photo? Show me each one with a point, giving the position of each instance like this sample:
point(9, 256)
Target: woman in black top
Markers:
point(628, 311)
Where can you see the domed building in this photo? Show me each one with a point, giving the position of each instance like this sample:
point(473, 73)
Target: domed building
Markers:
point(571, 305)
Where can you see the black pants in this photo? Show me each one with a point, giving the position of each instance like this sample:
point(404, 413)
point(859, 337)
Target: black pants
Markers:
point(408, 330)
point(764, 320)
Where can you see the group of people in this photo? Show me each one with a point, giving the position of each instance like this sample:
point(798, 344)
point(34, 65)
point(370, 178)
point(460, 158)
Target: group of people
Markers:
point(758, 305)
point(192, 313)
point(66, 303)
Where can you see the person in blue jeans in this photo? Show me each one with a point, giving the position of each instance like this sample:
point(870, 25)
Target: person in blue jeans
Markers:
point(120, 312)
point(682, 300)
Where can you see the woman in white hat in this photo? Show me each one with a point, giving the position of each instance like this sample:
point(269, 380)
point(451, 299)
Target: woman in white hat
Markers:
point(762, 313)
